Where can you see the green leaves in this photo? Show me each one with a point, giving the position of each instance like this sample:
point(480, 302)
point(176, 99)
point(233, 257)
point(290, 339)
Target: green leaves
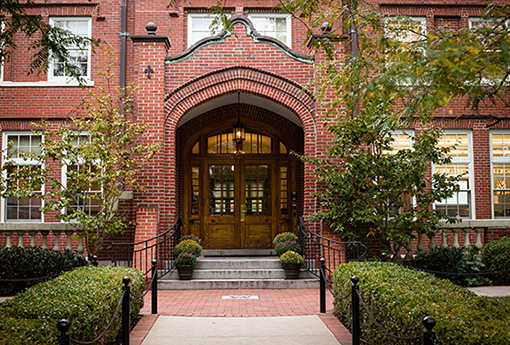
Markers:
point(100, 159)
point(46, 42)
point(399, 299)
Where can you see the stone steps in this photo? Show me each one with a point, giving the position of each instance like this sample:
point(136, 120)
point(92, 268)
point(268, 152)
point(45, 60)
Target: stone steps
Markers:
point(249, 272)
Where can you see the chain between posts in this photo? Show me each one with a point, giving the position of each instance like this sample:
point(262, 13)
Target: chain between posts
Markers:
point(428, 322)
point(64, 325)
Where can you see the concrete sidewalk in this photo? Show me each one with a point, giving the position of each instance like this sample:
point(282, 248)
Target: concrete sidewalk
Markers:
point(297, 330)
point(268, 316)
point(225, 317)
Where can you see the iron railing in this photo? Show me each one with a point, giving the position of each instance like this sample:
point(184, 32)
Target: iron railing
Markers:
point(315, 247)
point(141, 254)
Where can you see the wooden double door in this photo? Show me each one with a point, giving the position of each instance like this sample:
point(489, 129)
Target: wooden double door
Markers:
point(239, 202)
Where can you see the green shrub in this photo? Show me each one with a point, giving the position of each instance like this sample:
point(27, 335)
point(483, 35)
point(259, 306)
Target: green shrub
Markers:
point(33, 262)
point(282, 247)
point(191, 237)
point(285, 236)
point(186, 260)
point(290, 258)
point(496, 257)
point(453, 260)
point(399, 298)
point(87, 297)
point(188, 246)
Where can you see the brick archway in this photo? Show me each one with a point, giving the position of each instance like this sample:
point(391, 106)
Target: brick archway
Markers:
point(275, 88)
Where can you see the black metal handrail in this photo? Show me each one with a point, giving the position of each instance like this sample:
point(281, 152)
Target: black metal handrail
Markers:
point(315, 247)
point(141, 254)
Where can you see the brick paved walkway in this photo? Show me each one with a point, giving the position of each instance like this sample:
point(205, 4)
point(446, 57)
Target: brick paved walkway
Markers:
point(209, 303)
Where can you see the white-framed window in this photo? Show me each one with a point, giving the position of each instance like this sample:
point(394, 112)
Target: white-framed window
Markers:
point(78, 56)
point(21, 209)
point(81, 201)
point(415, 29)
point(402, 140)
point(460, 205)
point(500, 162)
point(200, 25)
point(276, 25)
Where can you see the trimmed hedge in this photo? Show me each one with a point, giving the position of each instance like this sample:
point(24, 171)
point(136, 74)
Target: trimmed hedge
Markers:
point(87, 297)
point(33, 262)
point(496, 257)
point(452, 260)
point(399, 298)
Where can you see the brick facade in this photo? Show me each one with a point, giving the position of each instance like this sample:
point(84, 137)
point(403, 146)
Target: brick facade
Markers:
point(185, 80)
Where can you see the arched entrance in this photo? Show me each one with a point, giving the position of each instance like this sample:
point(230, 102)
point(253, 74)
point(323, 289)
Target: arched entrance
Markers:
point(239, 195)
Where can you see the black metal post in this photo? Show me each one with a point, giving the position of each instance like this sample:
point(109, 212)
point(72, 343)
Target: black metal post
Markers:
point(429, 336)
point(384, 257)
point(64, 338)
point(355, 311)
point(94, 261)
point(125, 311)
point(323, 285)
point(154, 288)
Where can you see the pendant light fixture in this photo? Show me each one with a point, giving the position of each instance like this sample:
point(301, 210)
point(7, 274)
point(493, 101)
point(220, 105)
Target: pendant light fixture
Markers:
point(239, 133)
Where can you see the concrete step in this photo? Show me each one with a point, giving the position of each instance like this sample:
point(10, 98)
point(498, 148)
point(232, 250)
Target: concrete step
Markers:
point(222, 284)
point(246, 272)
point(238, 252)
point(241, 262)
point(238, 274)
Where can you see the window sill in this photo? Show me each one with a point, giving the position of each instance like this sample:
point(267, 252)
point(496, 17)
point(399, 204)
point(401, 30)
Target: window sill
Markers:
point(59, 83)
point(33, 226)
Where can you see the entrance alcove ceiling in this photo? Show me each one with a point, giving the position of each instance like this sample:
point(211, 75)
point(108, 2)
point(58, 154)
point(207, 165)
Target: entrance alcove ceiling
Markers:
point(243, 99)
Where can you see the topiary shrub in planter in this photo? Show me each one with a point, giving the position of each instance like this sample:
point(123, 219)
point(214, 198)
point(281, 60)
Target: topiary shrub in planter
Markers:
point(291, 263)
point(399, 298)
point(191, 237)
point(285, 236)
point(188, 246)
point(87, 297)
point(33, 262)
point(186, 260)
point(496, 257)
point(292, 245)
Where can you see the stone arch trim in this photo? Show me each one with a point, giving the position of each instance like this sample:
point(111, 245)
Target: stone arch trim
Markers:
point(228, 80)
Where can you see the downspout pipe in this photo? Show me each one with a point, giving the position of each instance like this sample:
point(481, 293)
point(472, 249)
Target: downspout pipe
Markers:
point(353, 32)
point(123, 35)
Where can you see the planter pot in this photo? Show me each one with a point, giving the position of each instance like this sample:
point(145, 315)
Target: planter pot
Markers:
point(292, 271)
point(185, 273)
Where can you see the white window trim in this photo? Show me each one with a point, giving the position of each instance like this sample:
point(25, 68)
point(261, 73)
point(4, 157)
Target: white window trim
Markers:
point(67, 79)
point(288, 23)
point(500, 160)
point(63, 175)
point(190, 24)
point(421, 20)
point(21, 162)
point(465, 160)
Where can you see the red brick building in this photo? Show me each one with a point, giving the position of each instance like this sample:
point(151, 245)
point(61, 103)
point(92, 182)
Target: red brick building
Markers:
point(192, 89)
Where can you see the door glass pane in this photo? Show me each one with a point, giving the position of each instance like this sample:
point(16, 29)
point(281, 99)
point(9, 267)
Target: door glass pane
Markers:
point(258, 143)
point(284, 201)
point(195, 191)
point(258, 190)
point(221, 143)
point(221, 179)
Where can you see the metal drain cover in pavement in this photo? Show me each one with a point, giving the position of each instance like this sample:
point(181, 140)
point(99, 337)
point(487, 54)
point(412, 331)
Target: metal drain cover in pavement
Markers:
point(240, 297)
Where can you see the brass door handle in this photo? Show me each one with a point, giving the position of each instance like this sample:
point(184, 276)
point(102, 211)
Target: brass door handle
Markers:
point(243, 213)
